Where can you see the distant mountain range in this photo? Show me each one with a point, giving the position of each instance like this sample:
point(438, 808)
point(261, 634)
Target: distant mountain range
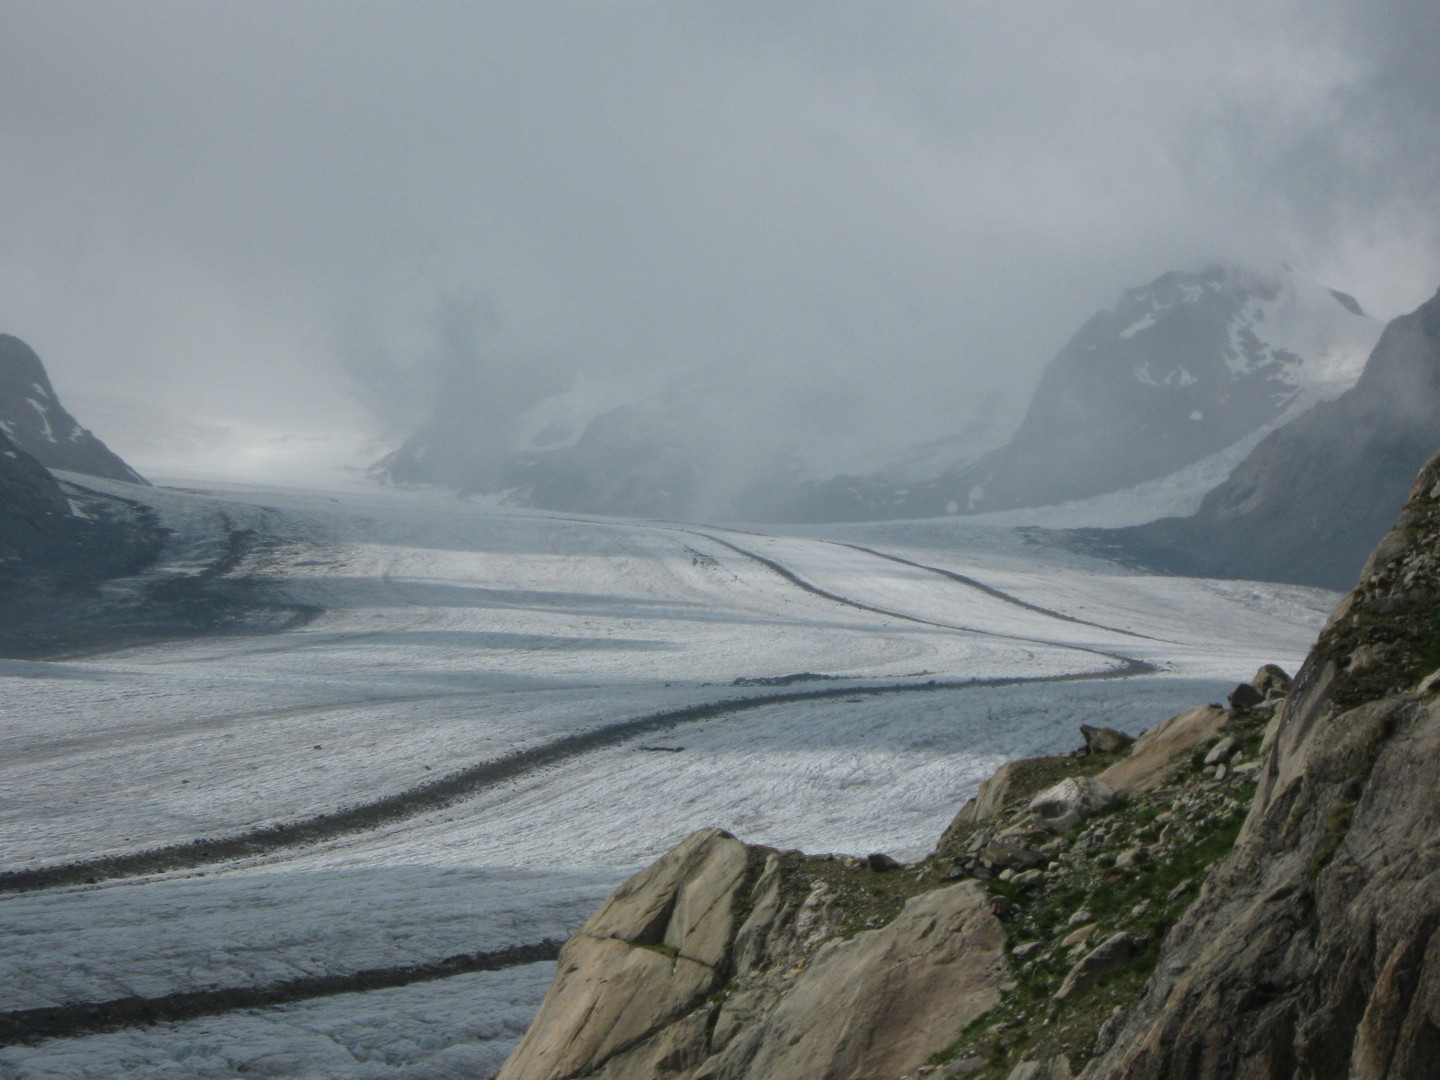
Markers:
point(1181, 369)
point(639, 458)
point(1189, 371)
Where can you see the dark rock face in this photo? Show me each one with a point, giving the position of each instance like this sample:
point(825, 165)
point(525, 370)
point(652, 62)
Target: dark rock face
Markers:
point(1104, 740)
point(35, 421)
point(34, 512)
point(50, 533)
point(83, 572)
point(1313, 949)
point(1312, 500)
point(1180, 369)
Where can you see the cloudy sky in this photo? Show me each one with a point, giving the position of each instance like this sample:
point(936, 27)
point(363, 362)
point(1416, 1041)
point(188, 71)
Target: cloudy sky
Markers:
point(274, 215)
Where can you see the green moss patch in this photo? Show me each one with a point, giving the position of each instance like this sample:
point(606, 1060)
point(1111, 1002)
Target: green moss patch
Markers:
point(1169, 839)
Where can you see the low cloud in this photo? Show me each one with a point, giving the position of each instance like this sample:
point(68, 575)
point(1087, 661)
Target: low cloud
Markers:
point(875, 216)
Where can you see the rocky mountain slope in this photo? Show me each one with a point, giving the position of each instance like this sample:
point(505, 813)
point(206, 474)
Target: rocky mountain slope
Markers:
point(1243, 891)
point(85, 571)
point(32, 418)
point(1179, 370)
point(1315, 496)
point(57, 542)
point(1312, 950)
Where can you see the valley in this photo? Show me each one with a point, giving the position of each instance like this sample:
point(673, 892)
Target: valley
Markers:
point(493, 716)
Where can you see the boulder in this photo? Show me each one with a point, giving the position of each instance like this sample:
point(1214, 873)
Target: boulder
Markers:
point(1114, 952)
point(1071, 802)
point(1158, 754)
point(1104, 740)
point(650, 955)
point(1271, 681)
point(1130, 858)
point(1009, 782)
point(1245, 696)
point(880, 1004)
point(1004, 855)
point(1222, 751)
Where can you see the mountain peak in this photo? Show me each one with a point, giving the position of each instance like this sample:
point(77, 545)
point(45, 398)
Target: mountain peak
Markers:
point(1188, 366)
point(33, 418)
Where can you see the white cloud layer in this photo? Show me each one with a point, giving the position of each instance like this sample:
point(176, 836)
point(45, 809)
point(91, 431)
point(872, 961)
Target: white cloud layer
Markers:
point(252, 213)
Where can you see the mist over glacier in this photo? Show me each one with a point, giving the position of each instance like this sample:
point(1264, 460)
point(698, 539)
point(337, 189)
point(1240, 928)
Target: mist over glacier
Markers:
point(264, 238)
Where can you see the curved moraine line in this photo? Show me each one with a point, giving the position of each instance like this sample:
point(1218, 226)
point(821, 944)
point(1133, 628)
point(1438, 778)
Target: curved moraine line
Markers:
point(998, 594)
point(448, 790)
point(29, 1026)
point(799, 582)
point(458, 786)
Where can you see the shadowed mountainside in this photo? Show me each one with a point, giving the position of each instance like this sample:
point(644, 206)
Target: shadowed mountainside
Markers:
point(1314, 497)
point(51, 532)
point(35, 421)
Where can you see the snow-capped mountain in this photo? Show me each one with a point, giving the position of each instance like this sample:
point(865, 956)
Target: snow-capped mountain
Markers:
point(33, 418)
point(1178, 371)
point(1314, 497)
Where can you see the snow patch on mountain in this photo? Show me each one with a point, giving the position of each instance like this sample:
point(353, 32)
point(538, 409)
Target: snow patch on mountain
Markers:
point(33, 418)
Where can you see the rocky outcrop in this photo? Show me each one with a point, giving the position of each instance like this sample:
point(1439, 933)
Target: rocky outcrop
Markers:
point(32, 417)
point(1056, 1068)
point(645, 960)
point(728, 962)
point(723, 962)
point(1313, 499)
point(1313, 949)
point(1116, 951)
point(1157, 756)
point(882, 1003)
